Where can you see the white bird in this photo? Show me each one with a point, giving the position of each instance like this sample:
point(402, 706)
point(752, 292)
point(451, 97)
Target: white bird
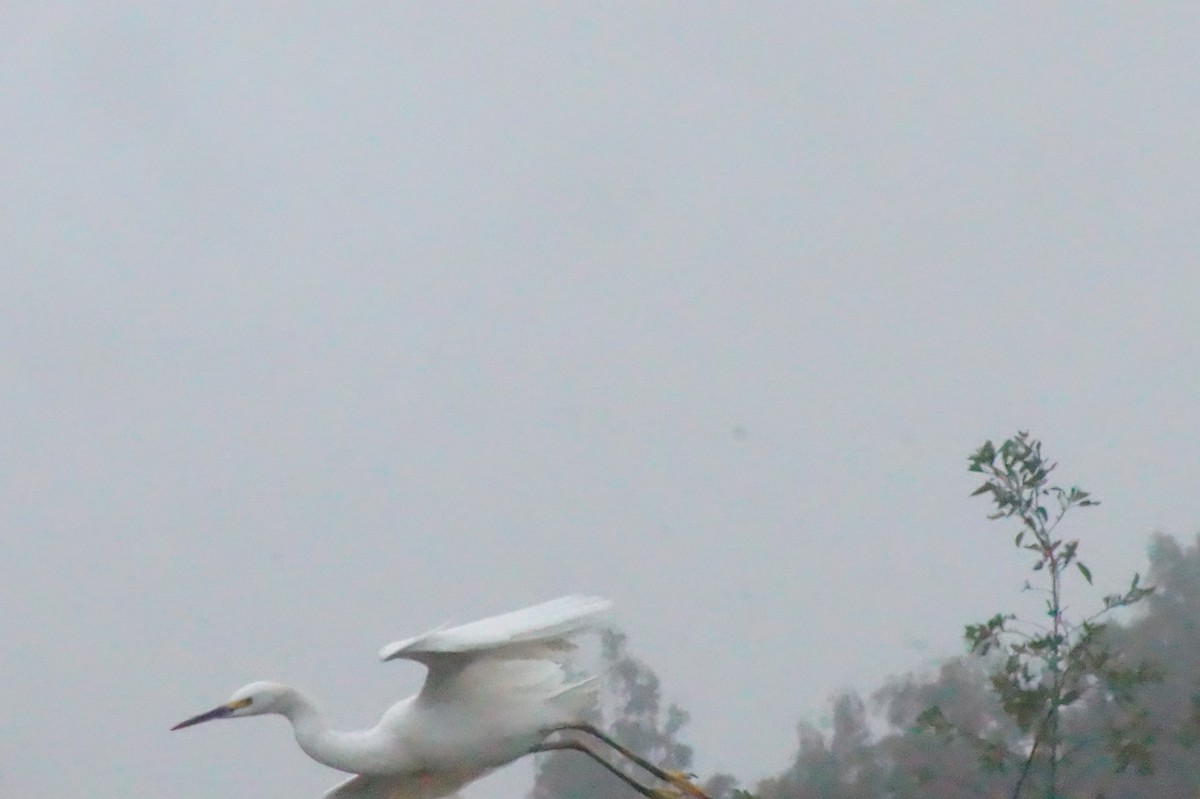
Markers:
point(494, 692)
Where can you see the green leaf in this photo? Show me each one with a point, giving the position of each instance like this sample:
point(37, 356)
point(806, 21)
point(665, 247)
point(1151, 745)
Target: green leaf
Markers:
point(1085, 571)
point(983, 489)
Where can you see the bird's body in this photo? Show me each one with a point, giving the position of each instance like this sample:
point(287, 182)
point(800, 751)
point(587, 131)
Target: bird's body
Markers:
point(494, 691)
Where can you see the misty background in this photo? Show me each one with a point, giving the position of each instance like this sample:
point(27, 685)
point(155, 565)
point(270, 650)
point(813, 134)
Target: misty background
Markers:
point(323, 324)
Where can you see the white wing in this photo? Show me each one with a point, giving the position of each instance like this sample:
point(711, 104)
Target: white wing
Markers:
point(534, 632)
point(494, 689)
point(507, 668)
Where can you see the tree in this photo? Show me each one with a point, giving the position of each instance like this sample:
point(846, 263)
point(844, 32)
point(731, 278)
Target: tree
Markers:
point(1063, 704)
point(843, 766)
point(1060, 704)
point(632, 697)
point(1046, 669)
point(947, 734)
point(927, 756)
point(1168, 631)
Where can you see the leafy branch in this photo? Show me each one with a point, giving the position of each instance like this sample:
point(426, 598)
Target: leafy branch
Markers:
point(1046, 667)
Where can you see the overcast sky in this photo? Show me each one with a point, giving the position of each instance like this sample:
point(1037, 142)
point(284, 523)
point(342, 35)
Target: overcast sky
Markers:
point(321, 324)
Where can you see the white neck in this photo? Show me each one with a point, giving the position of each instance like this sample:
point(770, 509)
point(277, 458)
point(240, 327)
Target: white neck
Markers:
point(357, 752)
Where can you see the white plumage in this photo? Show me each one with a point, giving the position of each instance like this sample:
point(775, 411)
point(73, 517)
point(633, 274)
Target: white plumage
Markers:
point(494, 691)
point(544, 627)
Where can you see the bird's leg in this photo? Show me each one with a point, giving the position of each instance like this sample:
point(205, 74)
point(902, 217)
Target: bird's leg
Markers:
point(644, 790)
point(675, 778)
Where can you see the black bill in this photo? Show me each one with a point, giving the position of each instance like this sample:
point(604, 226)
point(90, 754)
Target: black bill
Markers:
point(224, 711)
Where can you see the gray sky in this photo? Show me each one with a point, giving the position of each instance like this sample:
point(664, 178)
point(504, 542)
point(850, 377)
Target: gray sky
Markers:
point(321, 324)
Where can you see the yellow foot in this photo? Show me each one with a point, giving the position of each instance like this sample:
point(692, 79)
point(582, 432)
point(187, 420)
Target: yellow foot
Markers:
point(683, 782)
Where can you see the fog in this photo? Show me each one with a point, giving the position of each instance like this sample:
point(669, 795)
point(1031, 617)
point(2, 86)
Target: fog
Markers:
point(323, 324)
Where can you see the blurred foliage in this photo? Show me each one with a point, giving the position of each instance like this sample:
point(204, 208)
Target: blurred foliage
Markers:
point(1124, 695)
point(947, 735)
point(633, 712)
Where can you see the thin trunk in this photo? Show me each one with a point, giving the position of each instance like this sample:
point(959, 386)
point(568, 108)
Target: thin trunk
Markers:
point(1056, 674)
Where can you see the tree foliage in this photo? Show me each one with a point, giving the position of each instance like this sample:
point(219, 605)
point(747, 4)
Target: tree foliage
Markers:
point(1047, 666)
point(1055, 704)
point(633, 711)
point(947, 735)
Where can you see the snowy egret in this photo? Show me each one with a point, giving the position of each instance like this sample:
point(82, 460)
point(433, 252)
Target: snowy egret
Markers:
point(494, 692)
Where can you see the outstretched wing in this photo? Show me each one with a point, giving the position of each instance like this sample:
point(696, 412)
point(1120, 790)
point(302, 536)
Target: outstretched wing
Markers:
point(493, 689)
point(534, 632)
point(509, 658)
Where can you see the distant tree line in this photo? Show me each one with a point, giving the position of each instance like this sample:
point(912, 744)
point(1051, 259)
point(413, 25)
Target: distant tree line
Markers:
point(1051, 707)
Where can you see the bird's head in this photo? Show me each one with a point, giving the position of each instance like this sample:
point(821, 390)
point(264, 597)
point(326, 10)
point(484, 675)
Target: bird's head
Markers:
point(254, 699)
